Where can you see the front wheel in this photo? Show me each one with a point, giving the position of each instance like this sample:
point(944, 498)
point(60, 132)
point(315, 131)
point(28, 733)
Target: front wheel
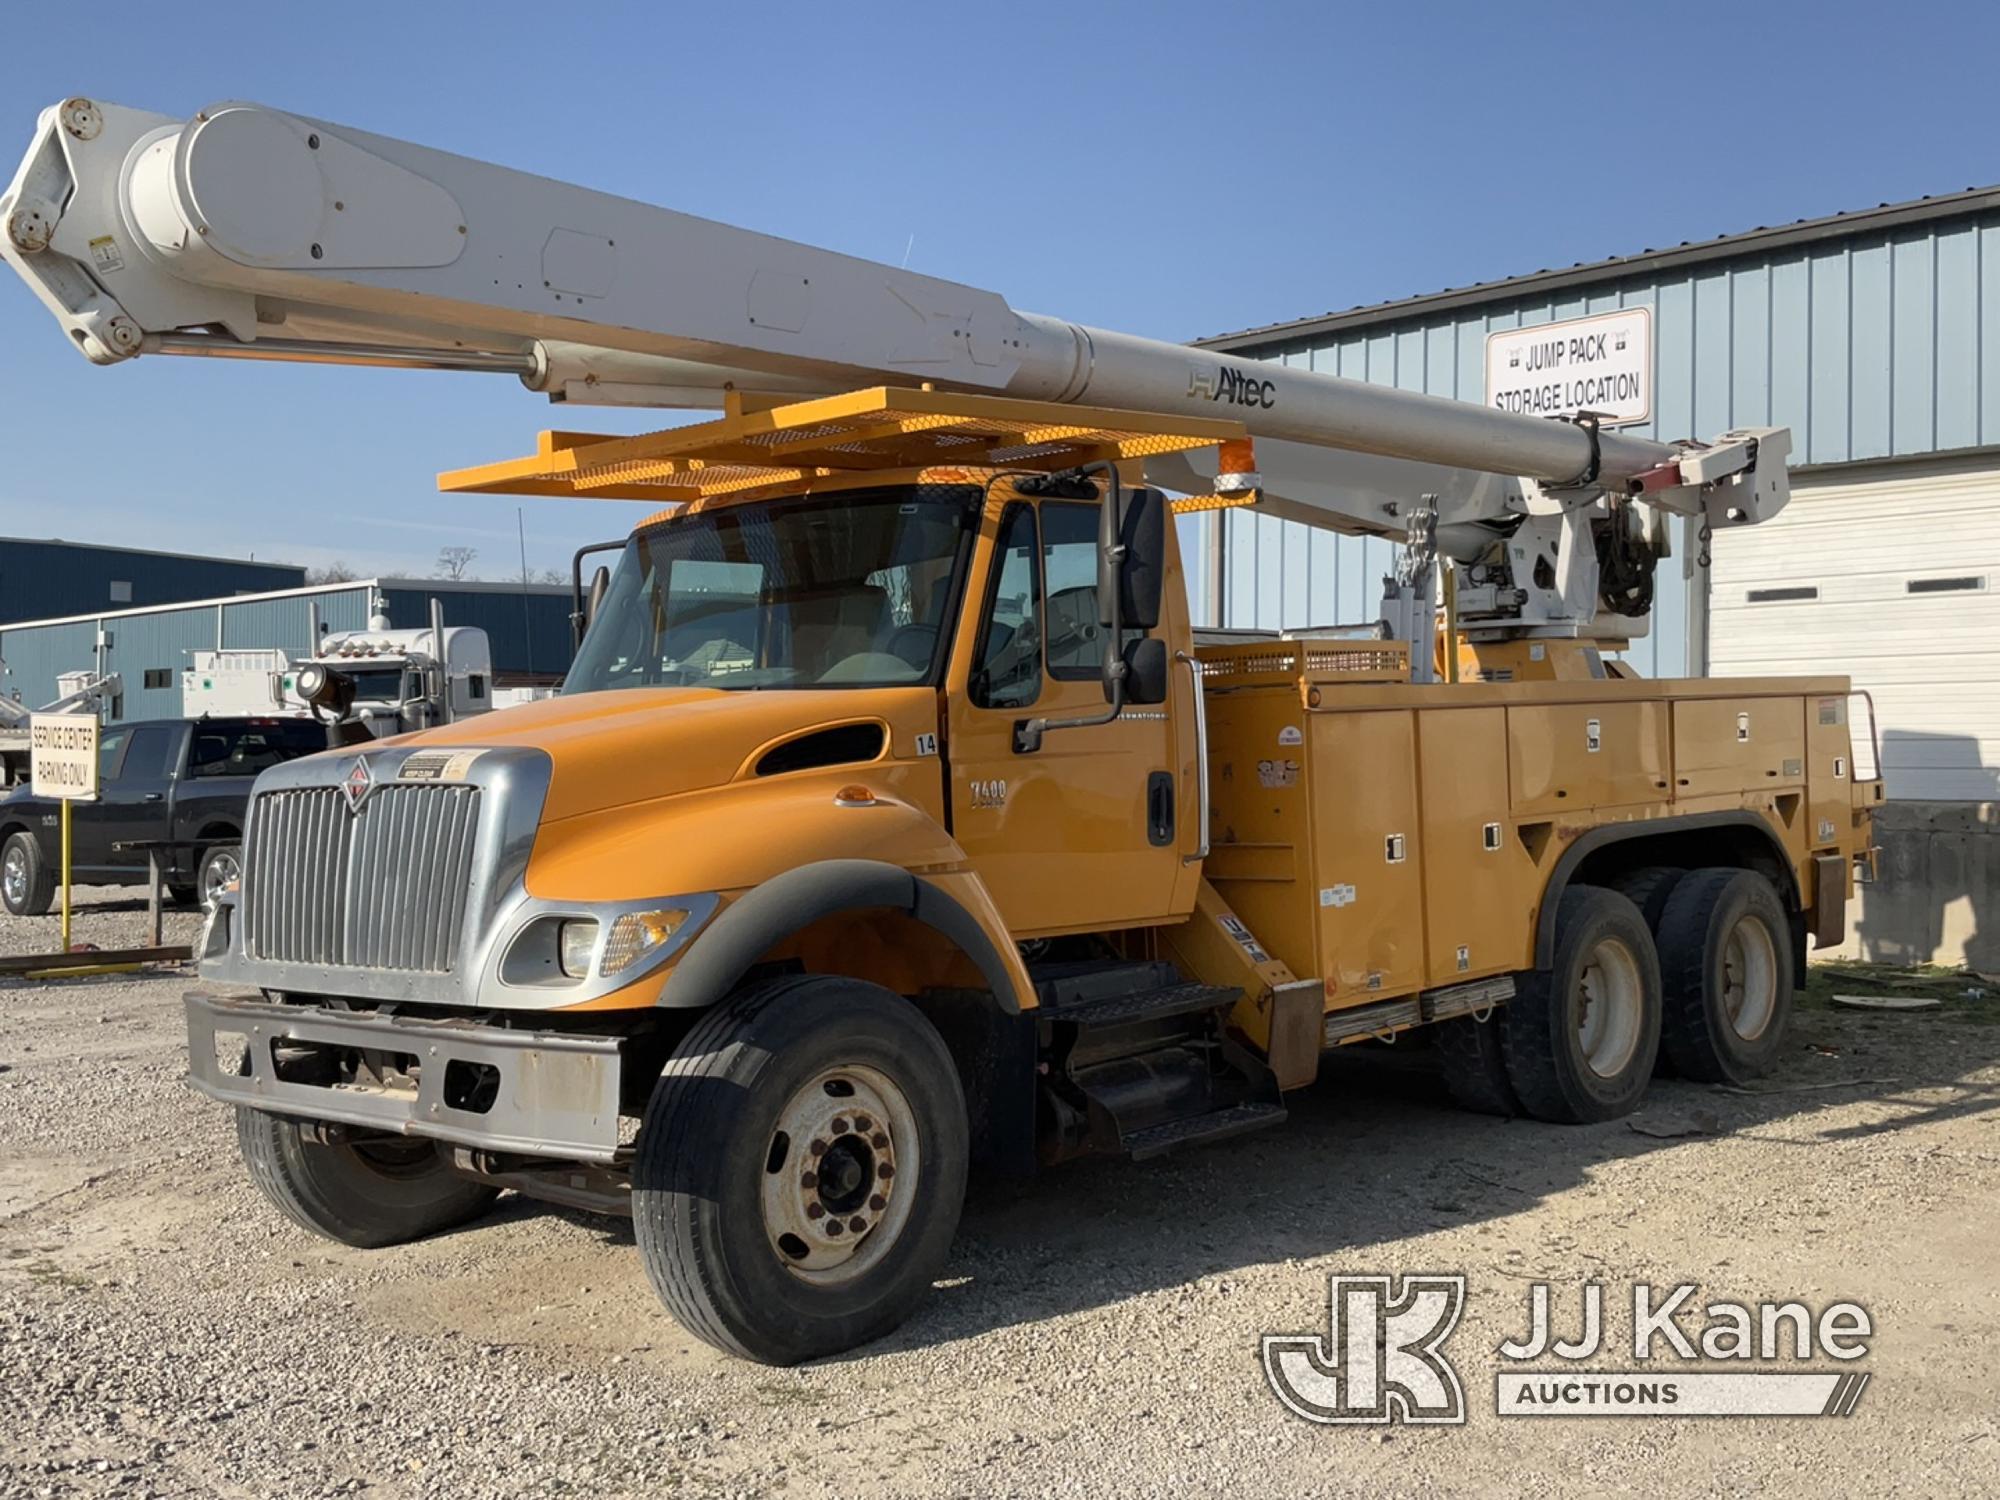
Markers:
point(26, 884)
point(800, 1169)
point(221, 867)
point(367, 1191)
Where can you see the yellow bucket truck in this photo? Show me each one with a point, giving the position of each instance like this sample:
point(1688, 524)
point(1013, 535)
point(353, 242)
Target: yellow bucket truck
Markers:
point(896, 818)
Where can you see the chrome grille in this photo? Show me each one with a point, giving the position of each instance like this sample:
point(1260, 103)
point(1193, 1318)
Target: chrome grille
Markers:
point(384, 888)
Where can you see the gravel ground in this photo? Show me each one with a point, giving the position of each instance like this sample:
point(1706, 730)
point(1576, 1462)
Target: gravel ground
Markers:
point(163, 1332)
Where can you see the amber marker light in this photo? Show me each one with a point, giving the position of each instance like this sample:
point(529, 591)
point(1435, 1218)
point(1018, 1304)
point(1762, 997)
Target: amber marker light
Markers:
point(638, 933)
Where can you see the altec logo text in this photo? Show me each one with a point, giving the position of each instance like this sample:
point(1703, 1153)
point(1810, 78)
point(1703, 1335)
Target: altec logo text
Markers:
point(1383, 1360)
point(1231, 387)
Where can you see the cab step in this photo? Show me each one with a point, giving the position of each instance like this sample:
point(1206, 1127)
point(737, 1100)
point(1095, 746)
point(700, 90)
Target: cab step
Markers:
point(1237, 1119)
point(1184, 998)
point(1074, 982)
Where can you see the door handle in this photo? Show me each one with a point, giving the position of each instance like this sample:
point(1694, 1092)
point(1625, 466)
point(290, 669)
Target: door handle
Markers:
point(154, 797)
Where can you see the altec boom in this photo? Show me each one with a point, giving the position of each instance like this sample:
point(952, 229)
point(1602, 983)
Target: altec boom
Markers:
point(252, 233)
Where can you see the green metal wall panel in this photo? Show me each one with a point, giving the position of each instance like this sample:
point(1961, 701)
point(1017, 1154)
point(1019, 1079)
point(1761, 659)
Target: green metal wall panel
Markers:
point(35, 658)
point(1887, 344)
point(286, 624)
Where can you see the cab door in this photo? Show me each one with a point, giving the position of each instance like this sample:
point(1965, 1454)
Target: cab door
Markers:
point(132, 797)
point(1084, 833)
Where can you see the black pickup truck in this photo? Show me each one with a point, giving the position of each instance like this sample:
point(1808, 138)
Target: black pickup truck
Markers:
point(184, 780)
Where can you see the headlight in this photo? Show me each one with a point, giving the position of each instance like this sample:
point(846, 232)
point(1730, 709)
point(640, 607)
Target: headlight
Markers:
point(638, 933)
point(574, 942)
point(591, 950)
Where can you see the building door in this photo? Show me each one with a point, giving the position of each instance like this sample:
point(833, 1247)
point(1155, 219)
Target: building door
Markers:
point(1082, 834)
point(1890, 574)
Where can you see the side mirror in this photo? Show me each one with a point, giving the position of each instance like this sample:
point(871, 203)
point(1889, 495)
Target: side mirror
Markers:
point(1145, 671)
point(583, 605)
point(600, 584)
point(1141, 575)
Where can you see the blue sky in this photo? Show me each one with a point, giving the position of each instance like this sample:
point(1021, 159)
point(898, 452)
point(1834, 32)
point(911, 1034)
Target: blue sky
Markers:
point(1173, 169)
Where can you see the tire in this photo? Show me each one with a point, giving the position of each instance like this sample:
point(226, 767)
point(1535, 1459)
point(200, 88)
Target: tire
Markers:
point(1726, 969)
point(1648, 888)
point(218, 867)
point(1580, 1037)
point(1470, 1062)
point(27, 884)
point(379, 1192)
point(735, 1237)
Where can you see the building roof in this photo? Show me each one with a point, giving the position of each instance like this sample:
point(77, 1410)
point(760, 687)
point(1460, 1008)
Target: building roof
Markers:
point(1761, 240)
point(241, 562)
point(345, 586)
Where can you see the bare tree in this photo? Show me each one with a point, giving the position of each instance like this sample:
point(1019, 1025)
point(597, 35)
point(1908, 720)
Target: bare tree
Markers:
point(454, 562)
point(336, 571)
point(552, 575)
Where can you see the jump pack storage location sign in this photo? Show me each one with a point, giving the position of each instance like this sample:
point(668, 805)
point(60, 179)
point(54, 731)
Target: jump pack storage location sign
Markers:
point(63, 752)
point(1601, 364)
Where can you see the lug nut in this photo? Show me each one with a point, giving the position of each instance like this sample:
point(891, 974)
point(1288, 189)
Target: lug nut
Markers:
point(818, 1148)
point(879, 1141)
point(840, 1125)
point(857, 1223)
point(814, 1211)
point(833, 1226)
point(862, 1124)
point(878, 1203)
point(809, 1179)
point(885, 1171)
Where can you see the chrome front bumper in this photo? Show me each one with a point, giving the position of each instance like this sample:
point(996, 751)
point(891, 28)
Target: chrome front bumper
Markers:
point(556, 1094)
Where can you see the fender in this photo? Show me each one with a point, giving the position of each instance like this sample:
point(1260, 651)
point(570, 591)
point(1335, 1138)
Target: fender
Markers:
point(1617, 833)
point(794, 900)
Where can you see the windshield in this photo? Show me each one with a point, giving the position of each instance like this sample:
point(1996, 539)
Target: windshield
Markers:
point(225, 747)
point(376, 684)
point(845, 591)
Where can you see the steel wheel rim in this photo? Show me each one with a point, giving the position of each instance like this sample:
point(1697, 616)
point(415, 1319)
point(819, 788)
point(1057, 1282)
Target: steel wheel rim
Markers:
point(1609, 1008)
point(14, 876)
point(216, 875)
point(840, 1175)
point(1749, 978)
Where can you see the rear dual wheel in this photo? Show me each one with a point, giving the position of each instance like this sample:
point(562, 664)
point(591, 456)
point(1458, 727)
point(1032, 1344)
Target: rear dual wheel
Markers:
point(1693, 970)
point(1473, 1066)
point(1579, 1037)
point(1726, 959)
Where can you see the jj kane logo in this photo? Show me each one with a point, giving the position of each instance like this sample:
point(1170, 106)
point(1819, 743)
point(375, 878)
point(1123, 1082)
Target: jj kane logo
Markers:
point(1382, 1358)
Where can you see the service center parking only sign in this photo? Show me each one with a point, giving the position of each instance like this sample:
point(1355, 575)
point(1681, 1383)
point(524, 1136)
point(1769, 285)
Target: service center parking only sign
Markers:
point(1601, 364)
point(63, 752)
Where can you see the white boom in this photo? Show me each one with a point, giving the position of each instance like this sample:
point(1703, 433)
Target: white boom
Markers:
point(252, 233)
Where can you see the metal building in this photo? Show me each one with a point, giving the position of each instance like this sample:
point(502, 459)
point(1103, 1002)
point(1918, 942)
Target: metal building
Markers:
point(528, 628)
point(42, 578)
point(1873, 335)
